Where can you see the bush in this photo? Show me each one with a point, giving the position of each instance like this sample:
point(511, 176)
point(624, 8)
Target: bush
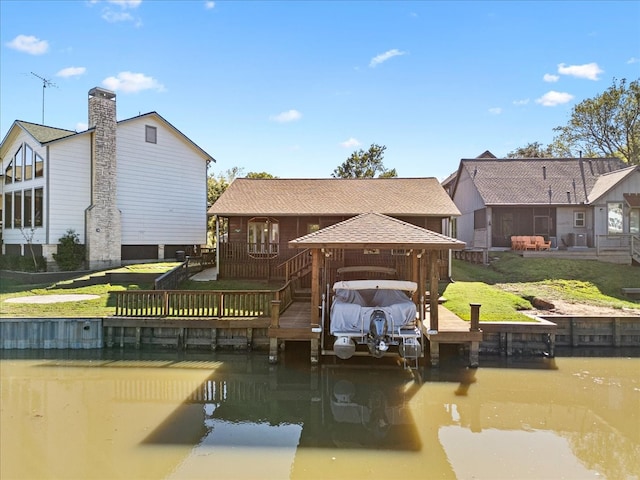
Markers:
point(19, 263)
point(71, 253)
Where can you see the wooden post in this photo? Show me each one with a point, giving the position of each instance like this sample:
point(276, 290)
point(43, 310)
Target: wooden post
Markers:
point(433, 290)
point(475, 317)
point(315, 286)
point(275, 313)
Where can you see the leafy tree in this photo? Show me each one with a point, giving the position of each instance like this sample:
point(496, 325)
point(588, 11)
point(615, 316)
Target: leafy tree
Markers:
point(532, 150)
point(363, 164)
point(606, 125)
point(259, 175)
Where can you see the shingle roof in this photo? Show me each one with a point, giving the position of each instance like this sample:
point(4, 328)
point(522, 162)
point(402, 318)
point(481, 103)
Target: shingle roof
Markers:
point(632, 199)
point(390, 196)
point(537, 180)
point(44, 134)
point(607, 181)
point(373, 230)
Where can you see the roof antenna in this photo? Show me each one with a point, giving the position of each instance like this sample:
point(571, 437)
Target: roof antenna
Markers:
point(45, 83)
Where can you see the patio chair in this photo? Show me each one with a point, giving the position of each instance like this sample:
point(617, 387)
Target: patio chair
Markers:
point(541, 244)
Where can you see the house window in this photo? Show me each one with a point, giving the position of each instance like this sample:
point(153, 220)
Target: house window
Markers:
point(38, 207)
point(39, 166)
point(263, 236)
point(634, 221)
point(579, 219)
point(28, 162)
point(28, 219)
point(8, 173)
point(480, 219)
point(8, 210)
point(17, 166)
point(313, 227)
point(614, 218)
point(17, 209)
point(151, 134)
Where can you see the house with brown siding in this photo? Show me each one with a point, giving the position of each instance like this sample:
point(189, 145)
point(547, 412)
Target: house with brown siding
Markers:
point(257, 218)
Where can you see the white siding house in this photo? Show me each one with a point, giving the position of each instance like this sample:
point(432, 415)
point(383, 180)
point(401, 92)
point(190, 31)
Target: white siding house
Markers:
point(134, 189)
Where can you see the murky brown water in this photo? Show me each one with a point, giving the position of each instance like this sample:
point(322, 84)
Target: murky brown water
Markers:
point(139, 415)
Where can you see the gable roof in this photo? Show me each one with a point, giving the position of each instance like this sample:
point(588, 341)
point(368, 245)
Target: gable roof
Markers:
point(607, 181)
point(334, 197)
point(44, 134)
point(374, 230)
point(543, 181)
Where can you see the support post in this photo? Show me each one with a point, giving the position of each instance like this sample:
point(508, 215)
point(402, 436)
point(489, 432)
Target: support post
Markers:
point(433, 290)
point(475, 317)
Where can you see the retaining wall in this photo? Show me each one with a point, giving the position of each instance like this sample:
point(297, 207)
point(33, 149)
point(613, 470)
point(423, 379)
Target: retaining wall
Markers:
point(51, 333)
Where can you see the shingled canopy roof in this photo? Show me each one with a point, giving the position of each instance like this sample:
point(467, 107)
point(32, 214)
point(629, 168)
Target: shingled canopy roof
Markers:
point(335, 197)
point(374, 230)
point(544, 181)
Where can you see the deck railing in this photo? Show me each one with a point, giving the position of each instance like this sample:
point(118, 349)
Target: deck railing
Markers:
point(200, 303)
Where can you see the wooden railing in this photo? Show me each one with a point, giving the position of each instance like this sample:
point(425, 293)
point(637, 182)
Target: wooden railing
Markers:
point(193, 303)
point(201, 303)
point(295, 264)
point(193, 264)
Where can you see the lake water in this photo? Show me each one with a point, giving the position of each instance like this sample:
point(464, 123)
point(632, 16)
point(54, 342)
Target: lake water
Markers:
point(171, 415)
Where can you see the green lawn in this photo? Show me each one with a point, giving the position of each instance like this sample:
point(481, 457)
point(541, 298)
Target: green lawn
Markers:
point(503, 288)
point(511, 280)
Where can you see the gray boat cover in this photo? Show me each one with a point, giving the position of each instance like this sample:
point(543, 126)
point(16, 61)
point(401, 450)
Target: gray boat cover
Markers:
point(351, 309)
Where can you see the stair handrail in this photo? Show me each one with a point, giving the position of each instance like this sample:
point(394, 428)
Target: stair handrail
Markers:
point(296, 264)
point(635, 247)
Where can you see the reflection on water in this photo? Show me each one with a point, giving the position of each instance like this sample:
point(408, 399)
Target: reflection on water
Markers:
point(153, 414)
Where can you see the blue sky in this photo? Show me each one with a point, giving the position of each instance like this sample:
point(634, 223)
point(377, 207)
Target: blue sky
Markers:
point(292, 88)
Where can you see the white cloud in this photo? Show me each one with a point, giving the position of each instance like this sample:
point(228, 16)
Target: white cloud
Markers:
point(495, 111)
point(522, 102)
point(115, 17)
point(633, 60)
point(590, 71)
point(126, 3)
point(71, 72)
point(553, 98)
point(129, 82)
point(122, 15)
point(288, 116)
point(352, 142)
point(383, 57)
point(209, 5)
point(29, 44)
point(548, 77)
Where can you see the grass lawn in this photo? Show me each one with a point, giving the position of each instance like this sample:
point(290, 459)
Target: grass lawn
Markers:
point(511, 280)
point(503, 288)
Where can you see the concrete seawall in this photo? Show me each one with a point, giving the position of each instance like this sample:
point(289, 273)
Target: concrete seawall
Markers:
point(51, 333)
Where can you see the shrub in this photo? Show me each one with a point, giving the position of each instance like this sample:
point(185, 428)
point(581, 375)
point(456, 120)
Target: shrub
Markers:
point(20, 263)
point(71, 253)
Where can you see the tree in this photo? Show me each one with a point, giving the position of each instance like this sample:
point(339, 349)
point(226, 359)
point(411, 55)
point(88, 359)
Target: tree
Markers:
point(363, 164)
point(606, 125)
point(259, 175)
point(532, 150)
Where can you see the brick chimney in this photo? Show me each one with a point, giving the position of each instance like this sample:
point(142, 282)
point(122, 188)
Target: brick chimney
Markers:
point(103, 224)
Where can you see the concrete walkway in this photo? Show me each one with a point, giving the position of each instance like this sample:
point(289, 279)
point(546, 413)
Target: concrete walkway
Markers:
point(52, 298)
point(208, 275)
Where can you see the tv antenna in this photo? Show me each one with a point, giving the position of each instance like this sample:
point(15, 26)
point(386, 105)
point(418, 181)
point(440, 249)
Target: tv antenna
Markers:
point(45, 83)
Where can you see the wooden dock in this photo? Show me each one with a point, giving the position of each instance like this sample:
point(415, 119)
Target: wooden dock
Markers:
point(295, 324)
point(452, 329)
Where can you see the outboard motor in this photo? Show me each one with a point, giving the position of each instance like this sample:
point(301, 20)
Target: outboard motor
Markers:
point(377, 339)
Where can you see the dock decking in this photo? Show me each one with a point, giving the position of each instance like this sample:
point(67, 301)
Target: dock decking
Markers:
point(295, 324)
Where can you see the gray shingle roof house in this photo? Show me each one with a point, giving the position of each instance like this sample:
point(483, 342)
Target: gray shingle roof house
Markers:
point(573, 202)
point(257, 218)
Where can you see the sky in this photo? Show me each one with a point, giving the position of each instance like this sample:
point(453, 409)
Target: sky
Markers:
point(293, 88)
